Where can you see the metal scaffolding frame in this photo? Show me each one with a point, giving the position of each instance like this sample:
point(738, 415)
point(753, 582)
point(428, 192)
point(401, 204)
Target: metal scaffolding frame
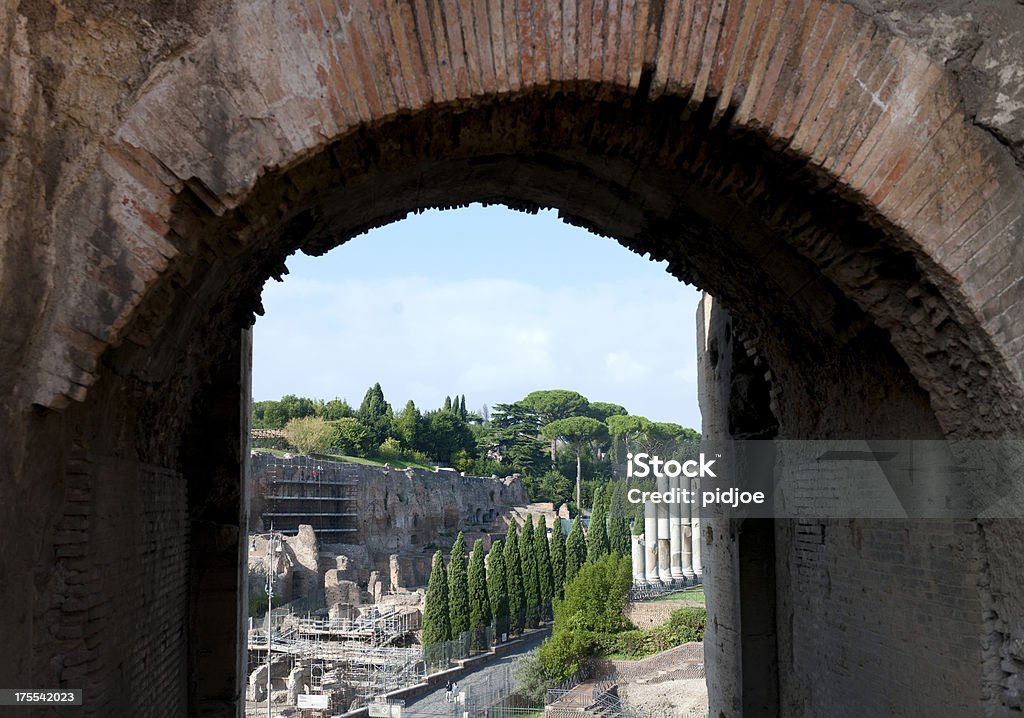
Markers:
point(354, 660)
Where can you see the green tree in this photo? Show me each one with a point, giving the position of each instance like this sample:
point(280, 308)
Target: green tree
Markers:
point(408, 426)
point(595, 597)
point(577, 431)
point(458, 588)
point(555, 404)
point(619, 515)
point(601, 410)
point(497, 587)
point(376, 415)
point(436, 620)
point(552, 486)
point(479, 601)
point(547, 579)
point(296, 407)
point(336, 409)
point(512, 437)
point(591, 609)
point(531, 574)
point(514, 581)
point(628, 429)
point(309, 434)
point(557, 549)
point(269, 415)
point(597, 532)
point(575, 550)
point(350, 436)
point(448, 434)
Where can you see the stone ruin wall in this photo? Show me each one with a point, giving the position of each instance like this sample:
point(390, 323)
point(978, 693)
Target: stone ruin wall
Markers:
point(404, 515)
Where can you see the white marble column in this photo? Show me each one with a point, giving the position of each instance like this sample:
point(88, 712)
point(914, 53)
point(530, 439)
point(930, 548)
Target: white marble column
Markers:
point(637, 543)
point(650, 543)
point(675, 528)
point(664, 551)
point(687, 533)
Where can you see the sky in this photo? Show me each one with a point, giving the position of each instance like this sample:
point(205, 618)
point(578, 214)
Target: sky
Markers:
point(486, 302)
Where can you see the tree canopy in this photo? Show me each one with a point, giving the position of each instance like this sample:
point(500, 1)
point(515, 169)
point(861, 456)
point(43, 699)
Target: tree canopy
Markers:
point(576, 431)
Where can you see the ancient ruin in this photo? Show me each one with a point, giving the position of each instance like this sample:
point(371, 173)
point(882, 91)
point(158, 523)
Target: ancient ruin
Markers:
point(843, 176)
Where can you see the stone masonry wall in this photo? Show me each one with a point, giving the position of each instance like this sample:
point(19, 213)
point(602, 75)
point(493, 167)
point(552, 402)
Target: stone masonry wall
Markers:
point(406, 513)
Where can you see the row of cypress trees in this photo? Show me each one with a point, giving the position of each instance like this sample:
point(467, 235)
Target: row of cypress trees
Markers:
point(515, 586)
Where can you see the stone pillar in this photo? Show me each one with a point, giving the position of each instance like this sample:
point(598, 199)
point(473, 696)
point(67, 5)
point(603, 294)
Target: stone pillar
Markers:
point(637, 543)
point(664, 551)
point(675, 528)
point(650, 543)
point(695, 523)
point(687, 534)
point(214, 461)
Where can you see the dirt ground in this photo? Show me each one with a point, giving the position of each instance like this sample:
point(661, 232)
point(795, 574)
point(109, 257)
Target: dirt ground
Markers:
point(668, 698)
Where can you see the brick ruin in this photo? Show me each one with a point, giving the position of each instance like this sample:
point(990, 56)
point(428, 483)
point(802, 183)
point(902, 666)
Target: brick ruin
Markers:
point(382, 535)
point(844, 177)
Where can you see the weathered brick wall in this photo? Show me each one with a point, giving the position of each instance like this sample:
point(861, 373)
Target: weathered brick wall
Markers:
point(884, 618)
point(122, 556)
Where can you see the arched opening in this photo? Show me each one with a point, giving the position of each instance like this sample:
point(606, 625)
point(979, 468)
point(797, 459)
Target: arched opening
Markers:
point(721, 208)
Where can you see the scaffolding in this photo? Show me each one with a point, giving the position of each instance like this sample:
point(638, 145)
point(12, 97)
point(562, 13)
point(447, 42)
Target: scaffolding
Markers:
point(353, 660)
point(306, 490)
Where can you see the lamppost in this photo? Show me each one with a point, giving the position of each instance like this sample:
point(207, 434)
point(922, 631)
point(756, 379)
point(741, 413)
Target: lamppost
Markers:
point(273, 545)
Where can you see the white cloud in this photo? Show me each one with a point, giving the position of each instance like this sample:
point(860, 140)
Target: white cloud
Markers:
point(493, 340)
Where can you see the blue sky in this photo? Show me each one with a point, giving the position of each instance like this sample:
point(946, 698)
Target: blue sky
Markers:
point(486, 302)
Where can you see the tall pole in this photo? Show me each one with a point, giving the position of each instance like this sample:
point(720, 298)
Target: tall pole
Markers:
point(270, 606)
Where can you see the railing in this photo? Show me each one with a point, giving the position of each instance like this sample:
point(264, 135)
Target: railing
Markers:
point(644, 593)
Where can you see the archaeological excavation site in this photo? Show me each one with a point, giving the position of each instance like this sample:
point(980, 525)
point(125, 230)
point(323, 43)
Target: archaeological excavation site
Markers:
point(346, 549)
point(844, 179)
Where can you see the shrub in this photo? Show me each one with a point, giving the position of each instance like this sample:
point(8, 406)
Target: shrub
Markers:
point(309, 434)
point(390, 449)
point(563, 654)
point(685, 625)
point(532, 678)
point(595, 597)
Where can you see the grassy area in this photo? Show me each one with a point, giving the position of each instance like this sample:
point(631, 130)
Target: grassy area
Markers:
point(695, 594)
point(394, 463)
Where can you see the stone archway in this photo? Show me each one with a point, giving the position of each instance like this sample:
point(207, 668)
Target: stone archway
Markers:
point(812, 170)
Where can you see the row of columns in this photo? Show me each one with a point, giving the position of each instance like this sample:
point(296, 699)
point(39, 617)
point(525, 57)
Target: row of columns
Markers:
point(666, 550)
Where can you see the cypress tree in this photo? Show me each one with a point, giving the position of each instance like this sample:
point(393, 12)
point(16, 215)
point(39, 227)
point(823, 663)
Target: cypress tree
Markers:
point(575, 550)
point(547, 579)
point(531, 574)
point(597, 532)
point(479, 602)
point(514, 581)
point(436, 621)
point(447, 403)
point(458, 588)
point(557, 548)
point(497, 588)
point(618, 525)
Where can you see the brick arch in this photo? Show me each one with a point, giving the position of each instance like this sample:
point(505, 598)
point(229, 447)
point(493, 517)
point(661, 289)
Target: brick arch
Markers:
point(874, 121)
point(813, 171)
